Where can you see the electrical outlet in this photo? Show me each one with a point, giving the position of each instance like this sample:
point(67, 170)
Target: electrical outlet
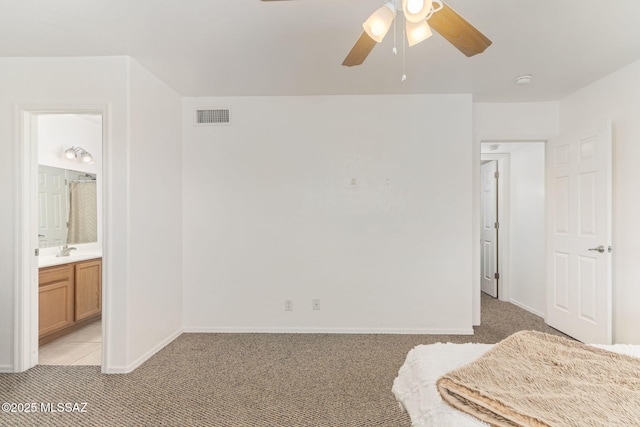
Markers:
point(316, 304)
point(288, 305)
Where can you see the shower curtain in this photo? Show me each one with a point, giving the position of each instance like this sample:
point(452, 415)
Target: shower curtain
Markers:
point(83, 221)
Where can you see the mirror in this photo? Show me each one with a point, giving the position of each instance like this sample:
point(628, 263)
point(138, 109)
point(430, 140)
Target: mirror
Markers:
point(67, 207)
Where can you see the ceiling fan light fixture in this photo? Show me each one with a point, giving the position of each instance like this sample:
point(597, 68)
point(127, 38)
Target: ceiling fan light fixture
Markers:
point(417, 32)
point(441, 18)
point(378, 24)
point(416, 10)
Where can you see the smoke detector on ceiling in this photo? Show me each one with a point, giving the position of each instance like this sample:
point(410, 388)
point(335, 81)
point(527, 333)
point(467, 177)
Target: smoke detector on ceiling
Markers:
point(523, 80)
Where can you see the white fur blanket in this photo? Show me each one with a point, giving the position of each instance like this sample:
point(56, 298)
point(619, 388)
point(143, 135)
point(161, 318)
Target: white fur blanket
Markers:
point(415, 386)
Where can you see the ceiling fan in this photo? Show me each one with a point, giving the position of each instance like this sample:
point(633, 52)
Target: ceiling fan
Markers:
point(420, 17)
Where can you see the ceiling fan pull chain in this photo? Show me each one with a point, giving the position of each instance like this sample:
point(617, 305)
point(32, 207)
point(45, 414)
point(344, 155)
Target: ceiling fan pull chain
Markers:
point(404, 54)
point(395, 51)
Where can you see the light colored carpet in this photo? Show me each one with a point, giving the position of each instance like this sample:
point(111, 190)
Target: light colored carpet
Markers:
point(251, 380)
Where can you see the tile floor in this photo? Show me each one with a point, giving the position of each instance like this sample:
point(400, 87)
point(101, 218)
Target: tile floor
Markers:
point(81, 347)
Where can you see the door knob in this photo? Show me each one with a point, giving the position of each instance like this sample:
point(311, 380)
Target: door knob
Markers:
point(600, 249)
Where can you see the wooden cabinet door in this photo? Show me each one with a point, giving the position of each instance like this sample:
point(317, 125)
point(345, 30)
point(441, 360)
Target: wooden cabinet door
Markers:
point(55, 299)
point(88, 298)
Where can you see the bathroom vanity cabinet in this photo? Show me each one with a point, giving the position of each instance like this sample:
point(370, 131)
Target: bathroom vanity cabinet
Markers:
point(70, 296)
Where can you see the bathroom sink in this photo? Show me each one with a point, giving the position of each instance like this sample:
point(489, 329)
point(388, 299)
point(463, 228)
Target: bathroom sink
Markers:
point(75, 256)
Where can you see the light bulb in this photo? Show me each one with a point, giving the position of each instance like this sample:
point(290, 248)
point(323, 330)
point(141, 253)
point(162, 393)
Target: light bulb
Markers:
point(416, 10)
point(377, 28)
point(377, 25)
point(417, 32)
point(70, 153)
point(415, 6)
point(86, 157)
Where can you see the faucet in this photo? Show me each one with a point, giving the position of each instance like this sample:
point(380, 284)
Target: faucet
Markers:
point(65, 250)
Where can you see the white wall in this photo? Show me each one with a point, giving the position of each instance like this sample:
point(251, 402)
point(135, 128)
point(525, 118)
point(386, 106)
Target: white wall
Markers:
point(527, 251)
point(57, 132)
point(114, 82)
point(514, 121)
point(617, 97)
point(270, 214)
point(155, 216)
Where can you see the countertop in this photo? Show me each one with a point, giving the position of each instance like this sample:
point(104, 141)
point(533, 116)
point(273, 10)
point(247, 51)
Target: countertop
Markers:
point(51, 260)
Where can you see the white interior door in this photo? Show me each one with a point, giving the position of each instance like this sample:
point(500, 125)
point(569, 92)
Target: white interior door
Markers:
point(489, 230)
point(579, 296)
point(52, 207)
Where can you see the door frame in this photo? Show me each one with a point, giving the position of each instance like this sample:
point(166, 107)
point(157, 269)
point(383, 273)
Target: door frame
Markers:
point(476, 185)
point(26, 241)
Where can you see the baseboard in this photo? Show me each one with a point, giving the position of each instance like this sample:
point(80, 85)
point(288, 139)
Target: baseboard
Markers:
point(6, 369)
point(277, 330)
point(140, 360)
point(526, 307)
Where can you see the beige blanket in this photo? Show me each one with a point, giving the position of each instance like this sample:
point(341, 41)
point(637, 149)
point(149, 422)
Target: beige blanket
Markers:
point(536, 379)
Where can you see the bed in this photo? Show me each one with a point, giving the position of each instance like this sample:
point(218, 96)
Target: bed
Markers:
point(422, 380)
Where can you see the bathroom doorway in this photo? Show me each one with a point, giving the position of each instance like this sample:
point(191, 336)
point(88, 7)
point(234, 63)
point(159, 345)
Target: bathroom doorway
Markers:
point(69, 238)
point(59, 303)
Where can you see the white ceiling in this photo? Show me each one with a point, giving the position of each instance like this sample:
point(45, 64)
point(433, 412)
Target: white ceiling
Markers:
point(249, 47)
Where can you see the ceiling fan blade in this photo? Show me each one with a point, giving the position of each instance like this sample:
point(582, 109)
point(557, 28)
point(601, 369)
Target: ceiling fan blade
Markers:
point(359, 51)
point(458, 31)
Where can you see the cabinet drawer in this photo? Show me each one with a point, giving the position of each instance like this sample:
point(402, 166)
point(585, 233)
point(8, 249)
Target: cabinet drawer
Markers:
point(55, 274)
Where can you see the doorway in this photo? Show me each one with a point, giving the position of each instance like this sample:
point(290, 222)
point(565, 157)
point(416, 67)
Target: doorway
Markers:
point(70, 260)
point(513, 244)
point(59, 301)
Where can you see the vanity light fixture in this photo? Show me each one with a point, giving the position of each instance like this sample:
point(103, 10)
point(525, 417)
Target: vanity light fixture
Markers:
point(79, 153)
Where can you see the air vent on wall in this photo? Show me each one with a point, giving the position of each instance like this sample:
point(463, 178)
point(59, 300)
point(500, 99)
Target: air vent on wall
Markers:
point(210, 117)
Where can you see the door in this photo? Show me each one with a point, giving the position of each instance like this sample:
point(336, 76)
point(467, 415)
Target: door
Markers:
point(489, 230)
point(52, 207)
point(579, 295)
point(88, 291)
point(55, 299)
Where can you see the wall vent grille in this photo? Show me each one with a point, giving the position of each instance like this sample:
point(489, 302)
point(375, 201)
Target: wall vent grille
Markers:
point(218, 116)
